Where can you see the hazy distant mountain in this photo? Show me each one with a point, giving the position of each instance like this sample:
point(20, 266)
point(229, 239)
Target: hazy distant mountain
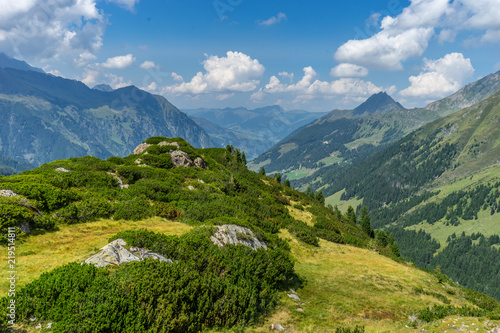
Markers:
point(8, 62)
point(103, 87)
point(44, 117)
point(251, 145)
point(256, 129)
point(9, 166)
point(330, 139)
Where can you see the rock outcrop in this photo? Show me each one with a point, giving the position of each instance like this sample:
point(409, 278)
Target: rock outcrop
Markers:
point(234, 234)
point(200, 163)
point(119, 180)
point(141, 148)
point(114, 253)
point(7, 193)
point(181, 159)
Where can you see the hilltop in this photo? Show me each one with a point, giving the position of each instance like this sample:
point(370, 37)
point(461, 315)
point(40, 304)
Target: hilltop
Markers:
point(315, 263)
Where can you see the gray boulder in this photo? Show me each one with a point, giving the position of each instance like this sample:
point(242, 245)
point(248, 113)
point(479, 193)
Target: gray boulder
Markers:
point(181, 159)
point(234, 234)
point(7, 193)
point(199, 162)
point(114, 253)
point(140, 148)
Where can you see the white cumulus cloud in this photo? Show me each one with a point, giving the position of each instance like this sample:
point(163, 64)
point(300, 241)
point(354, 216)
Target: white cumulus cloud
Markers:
point(235, 72)
point(119, 62)
point(149, 65)
point(408, 34)
point(44, 29)
point(440, 77)
point(274, 20)
point(348, 70)
point(386, 50)
point(308, 87)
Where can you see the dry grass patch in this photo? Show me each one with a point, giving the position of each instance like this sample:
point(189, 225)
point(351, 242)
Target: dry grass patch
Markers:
point(301, 215)
point(348, 286)
point(42, 253)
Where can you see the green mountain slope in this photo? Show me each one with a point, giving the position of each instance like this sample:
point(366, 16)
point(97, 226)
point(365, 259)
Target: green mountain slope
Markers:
point(340, 276)
point(344, 136)
point(260, 128)
point(440, 181)
point(44, 118)
point(337, 137)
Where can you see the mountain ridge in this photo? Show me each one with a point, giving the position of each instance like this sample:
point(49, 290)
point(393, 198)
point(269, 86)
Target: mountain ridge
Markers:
point(348, 138)
point(8, 62)
point(45, 117)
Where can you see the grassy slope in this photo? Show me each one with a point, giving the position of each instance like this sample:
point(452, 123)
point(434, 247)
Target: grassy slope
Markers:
point(345, 285)
point(43, 253)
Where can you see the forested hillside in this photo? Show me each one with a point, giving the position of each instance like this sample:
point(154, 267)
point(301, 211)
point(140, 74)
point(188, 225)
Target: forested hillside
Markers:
point(436, 189)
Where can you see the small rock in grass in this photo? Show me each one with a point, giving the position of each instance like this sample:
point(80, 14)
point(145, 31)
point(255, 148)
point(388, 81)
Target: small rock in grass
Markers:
point(276, 327)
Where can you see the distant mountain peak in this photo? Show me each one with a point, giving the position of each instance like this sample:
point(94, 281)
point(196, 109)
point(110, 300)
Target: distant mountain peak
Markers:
point(378, 103)
point(103, 87)
point(8, 62)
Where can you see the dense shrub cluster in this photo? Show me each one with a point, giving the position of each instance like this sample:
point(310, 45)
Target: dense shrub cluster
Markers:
point(206, 286)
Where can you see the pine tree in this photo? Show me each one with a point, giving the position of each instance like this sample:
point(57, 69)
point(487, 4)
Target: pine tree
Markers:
point(277, 176)
point(286, 182)
point(350, 215)
point(238, 155)
point(337, 212)
point(320, 197)
point(365, 222)
point(309, 192)
point(243, 158)
point(262, 171)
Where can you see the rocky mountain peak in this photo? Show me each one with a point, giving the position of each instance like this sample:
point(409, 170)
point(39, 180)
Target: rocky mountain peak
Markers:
point(378, 103)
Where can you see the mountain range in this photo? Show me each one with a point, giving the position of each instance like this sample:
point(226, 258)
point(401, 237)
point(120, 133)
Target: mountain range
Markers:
point(347, 136)
point(44, 117)
point(253, 131)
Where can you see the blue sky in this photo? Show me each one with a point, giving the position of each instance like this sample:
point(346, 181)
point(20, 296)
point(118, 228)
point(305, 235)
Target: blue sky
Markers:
point(313, 55)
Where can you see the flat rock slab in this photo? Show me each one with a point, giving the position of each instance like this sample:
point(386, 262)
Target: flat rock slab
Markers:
point(234, 234)
point(114, 253)
point(7, 193)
